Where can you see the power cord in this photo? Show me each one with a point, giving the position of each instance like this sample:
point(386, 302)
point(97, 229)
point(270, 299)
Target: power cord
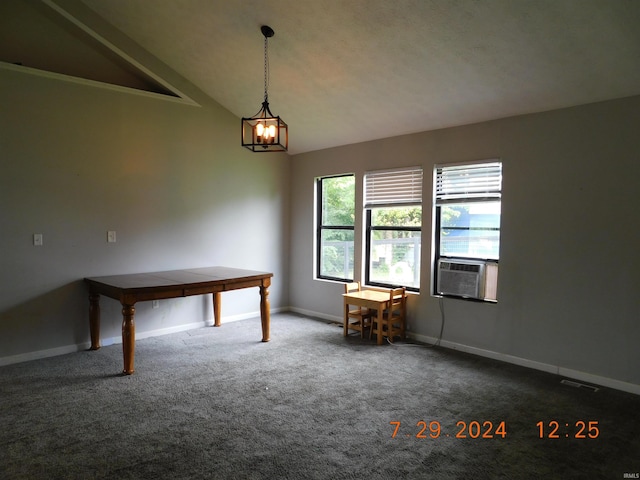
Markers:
point(426, 345)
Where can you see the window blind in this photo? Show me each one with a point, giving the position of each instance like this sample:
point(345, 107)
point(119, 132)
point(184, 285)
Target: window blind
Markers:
point(386, 188)
point(469, 182)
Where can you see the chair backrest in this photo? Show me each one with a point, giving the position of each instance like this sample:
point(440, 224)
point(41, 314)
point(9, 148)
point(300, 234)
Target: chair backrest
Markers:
point(351, 287)
point(397, 300)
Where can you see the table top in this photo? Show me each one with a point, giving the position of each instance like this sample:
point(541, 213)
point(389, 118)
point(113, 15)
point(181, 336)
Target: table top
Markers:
point(178, 277)
point(374, 295)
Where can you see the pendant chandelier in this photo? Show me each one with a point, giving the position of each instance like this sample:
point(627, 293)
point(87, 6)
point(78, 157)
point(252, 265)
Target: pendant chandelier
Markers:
point(265, 132)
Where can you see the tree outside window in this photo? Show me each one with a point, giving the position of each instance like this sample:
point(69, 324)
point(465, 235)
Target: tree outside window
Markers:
point(335, 230)
point(394, 246)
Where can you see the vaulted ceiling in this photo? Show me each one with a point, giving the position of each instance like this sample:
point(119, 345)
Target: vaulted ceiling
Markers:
point(347, 71)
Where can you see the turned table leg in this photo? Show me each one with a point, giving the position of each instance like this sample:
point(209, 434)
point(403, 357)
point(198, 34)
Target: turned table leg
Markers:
point(380, 324)
point(345, 319)
point(216, 309)
point(94, 320)
point(128, 337)
point(265, 311)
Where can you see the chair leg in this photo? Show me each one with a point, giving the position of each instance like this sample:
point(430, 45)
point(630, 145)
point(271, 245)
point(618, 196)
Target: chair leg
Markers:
point(379, 328)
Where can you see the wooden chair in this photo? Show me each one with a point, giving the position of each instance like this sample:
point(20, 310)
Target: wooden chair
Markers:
point(361, 315)
point(393, 321)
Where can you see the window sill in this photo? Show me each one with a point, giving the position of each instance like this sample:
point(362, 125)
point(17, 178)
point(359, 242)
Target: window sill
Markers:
point(467, 299)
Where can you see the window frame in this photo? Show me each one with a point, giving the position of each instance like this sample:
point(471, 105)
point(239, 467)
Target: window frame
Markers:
point(491, 192)
point(368, 244)
point(320, 227)
point(402, 193)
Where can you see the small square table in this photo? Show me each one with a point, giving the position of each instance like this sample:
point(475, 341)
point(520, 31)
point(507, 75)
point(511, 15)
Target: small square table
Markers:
point(373, 299)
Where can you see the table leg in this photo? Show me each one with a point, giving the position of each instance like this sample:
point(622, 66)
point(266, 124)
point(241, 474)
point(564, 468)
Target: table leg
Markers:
point(128, 337)
point(94, 320)
point(265, 311)
point(345, 319)
point(216, 309)
point(380, 324)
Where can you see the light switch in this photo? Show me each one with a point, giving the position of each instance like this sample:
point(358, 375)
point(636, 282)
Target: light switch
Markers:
point(37, 239)
point(111, 236)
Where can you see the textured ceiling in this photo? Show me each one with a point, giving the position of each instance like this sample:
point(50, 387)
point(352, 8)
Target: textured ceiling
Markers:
point(347, 71)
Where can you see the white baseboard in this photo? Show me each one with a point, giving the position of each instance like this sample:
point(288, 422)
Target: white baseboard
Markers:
point(106, 341)
point(310, 313)
point(523, 362)
point(51, 352)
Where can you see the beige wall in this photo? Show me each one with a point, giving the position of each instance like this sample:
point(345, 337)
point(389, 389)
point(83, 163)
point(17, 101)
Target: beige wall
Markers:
point(171, 179)
point(568, 286)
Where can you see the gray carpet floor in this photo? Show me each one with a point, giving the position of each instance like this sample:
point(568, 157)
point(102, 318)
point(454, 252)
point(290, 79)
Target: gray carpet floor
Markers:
point(310, 404)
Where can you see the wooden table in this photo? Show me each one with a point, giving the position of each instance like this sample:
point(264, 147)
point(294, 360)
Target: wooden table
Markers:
point(132, 288)
point(373, 299)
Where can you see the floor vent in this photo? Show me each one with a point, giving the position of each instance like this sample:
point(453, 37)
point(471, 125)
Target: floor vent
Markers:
point(571, 383)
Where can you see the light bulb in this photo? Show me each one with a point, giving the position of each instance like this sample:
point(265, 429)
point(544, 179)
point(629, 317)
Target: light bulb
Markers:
point(259, 131)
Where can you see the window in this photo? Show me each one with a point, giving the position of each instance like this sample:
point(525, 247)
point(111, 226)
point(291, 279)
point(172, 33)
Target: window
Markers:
point(393, 204)
point(335, 227)
point(467, 223)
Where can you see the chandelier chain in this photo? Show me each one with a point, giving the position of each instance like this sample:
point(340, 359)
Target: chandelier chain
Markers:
point(266, 69)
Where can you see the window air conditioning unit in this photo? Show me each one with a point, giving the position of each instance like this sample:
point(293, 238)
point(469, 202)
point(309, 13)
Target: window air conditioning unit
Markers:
point(465, 278)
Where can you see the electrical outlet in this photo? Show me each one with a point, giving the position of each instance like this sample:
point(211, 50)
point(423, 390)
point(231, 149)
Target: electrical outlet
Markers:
point(37, 239)
point(155, 304)
point(111, 236)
